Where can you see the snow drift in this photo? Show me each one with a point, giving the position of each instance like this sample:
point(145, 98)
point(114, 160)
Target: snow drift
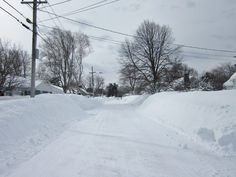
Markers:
point(231, 83)
point(27, 125)
point(205, 117)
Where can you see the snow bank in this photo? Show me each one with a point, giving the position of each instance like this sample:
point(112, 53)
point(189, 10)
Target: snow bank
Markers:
point(27, 125)
point(231, 83)
point(206, 117)
point(132, 99)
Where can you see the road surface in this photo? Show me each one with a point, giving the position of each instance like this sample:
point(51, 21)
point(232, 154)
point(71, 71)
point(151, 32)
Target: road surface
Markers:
point(116, 141)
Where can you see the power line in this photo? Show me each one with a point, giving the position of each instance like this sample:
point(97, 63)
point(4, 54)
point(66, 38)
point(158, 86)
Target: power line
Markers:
point(105, 39)
point(24, 25)
point(53, 19)
point(90, 7)
point(56, 4)
point(43, 38)
point(90, 36)
point(83, 9)
point(55, 14)
point(15, 9)
point(129, 35)
point(111, 41)
point(92, 26)
point(101, 28)
point(120, 42)
point(100, 39)
point(49, 14)
point(203, 48)
point(30, 7)
point(201, 57)
point(207, 54)
point(186, 55)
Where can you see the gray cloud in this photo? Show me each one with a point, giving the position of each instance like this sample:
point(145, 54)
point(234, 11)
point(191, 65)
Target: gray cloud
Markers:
point(135, 7)
point(229, 13)
point(175, 7)
point(191, 4)
point(81, 26)
point(132, 7)
point(225, 37)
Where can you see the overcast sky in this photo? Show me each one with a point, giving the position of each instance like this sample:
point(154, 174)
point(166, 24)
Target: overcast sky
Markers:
point(202, 23)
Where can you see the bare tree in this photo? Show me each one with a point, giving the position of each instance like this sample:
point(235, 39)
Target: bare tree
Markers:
point(64, 52)
point(150, 53)
point(88, 82)
point(128, 72)
point(13, 65)
point(129, 77)
point(215, 79)
point(83, 49)
point(25, 63)
point(99, 84)
point(5, 63)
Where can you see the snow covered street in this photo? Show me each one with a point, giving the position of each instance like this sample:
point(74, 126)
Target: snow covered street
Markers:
point(117, 141)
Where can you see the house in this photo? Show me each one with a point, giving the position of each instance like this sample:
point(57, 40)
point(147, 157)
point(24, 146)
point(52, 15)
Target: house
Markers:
point(82, 91)
point(24, 85)
point(46, 87)
point(231, 83)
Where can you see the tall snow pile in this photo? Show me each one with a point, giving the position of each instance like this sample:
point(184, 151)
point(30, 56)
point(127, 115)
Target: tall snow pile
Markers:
point(231, 83)
point(132, 99)
point(209, 118)
point(27, 125)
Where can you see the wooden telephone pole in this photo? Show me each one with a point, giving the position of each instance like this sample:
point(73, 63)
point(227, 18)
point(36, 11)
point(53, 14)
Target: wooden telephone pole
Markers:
point(92, 73)
point(34, 42)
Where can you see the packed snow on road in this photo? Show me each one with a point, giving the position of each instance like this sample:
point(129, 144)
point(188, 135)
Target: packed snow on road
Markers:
point(171, 134)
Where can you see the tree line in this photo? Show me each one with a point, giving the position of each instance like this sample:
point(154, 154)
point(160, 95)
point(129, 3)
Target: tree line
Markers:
point(14, 63)
point(63, 53)
point(149, 62)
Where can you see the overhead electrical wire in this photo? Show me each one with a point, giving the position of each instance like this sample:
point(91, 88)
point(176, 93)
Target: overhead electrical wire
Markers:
point(15, 9)
point(112, 31)
point(103, 38)
point(90, 7)
point(24, 25)
point(83, 9)
point(90, 25)
point(206, 54)
point(106, 39)
point(129, 35)
point(55, 13)
point(90, 36)
point(209, 49)
point(188, 54)
point(39, 34)
point(203, 57)
point(56, 4)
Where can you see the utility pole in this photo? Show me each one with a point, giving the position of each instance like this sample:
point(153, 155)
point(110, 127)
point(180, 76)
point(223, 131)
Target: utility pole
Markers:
point(92, 73)
point(34, 42)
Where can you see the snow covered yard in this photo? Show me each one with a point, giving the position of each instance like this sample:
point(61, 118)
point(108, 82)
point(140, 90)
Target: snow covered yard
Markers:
point(28, 125)
point(164, 135)
point(208, 118)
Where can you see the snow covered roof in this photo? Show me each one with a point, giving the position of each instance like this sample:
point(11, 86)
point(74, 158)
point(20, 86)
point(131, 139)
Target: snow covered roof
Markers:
point(26, 82)
point(231, 83)
point(23, 82)
point(47, 87)
point(41, 85)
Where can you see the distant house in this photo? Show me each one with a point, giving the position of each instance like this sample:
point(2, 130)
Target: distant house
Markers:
point(231, 83)
point(82, 91)
point(24, 85)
